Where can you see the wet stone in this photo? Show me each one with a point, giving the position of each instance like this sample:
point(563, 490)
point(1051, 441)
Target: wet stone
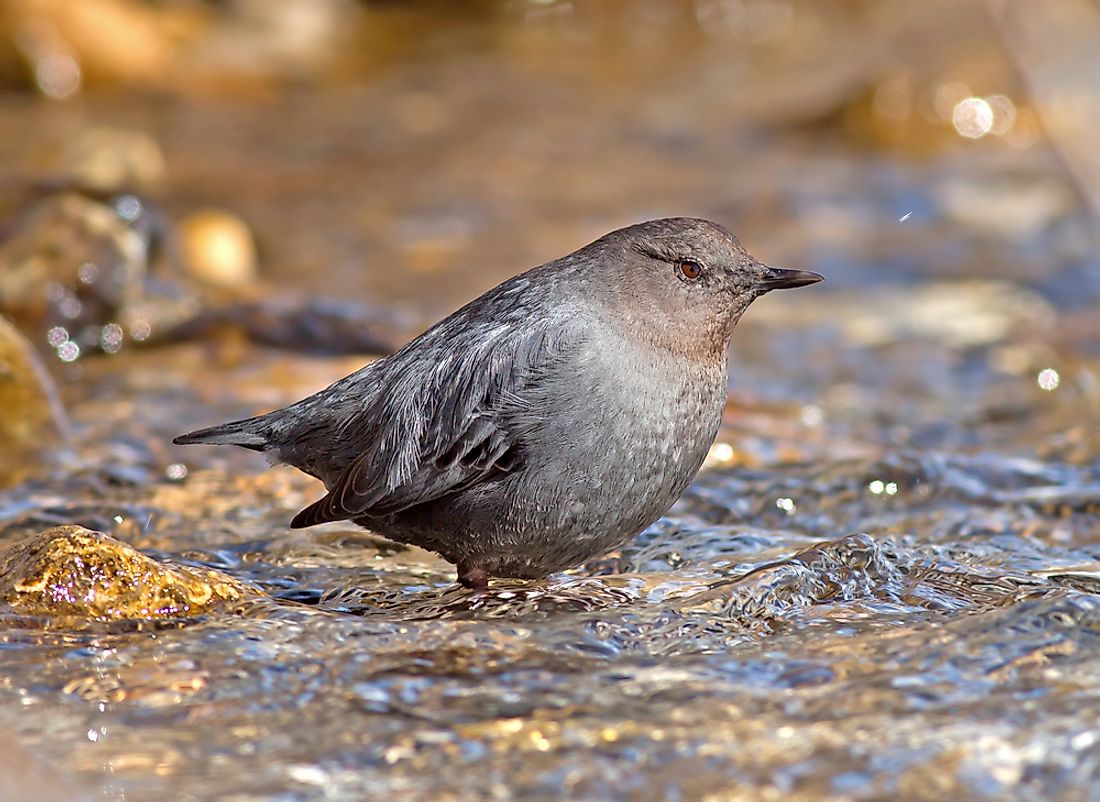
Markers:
point(311, 325)
point(31, 418)
point(218, 249)
point(110, 158)
point(72, 571)
point(70, 262)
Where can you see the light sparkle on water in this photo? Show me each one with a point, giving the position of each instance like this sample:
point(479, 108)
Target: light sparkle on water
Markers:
point(58, 75)
point(88, 273)
point(128, 208)
point(723, 452)
point(57, 335)
point(176, 472)
point(111, 337)
point(1048, 379)
point(879, 487)
point(68, 351)
point(973, 117)
point(811, 415)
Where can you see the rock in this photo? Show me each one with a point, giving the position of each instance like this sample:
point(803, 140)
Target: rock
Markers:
point(311, 325)
point(68, 264)
point(218, 249)
point(32, 421)
point(88, 34)
point(110, 159)
point(73, 571)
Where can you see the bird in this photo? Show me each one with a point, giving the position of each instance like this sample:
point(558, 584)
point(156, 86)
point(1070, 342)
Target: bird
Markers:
point(546, 422)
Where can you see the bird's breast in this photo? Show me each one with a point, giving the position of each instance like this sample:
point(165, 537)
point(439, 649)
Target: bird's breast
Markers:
point(669, 409)
point(628, 433)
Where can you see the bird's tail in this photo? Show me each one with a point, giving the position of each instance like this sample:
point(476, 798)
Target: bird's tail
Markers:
point(252, 433)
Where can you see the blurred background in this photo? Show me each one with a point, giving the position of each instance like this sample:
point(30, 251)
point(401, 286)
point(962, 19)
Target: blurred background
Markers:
point(209, 209)
point(415, 153)
point(335, 175)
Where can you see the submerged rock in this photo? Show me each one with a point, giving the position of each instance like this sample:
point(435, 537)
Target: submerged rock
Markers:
point(32, 422)
point(73, 571)
point(86, 271)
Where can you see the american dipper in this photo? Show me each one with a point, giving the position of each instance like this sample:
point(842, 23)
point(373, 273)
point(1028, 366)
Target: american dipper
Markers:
point(546, 422)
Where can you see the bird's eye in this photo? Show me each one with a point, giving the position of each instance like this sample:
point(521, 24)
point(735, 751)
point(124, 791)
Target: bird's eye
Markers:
point(689, 270)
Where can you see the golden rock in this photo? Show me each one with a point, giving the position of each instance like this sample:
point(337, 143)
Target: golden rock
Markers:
point(72, 571)
point(218, 249)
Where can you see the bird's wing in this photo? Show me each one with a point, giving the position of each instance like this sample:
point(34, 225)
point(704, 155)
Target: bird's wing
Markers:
point(434, 432)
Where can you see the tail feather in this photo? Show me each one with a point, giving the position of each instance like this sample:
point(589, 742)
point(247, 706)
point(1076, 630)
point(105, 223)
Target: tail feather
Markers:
point(249, 433)
point(319, 512)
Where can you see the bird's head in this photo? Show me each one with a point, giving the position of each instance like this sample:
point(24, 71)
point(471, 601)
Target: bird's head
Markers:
point(682, 282)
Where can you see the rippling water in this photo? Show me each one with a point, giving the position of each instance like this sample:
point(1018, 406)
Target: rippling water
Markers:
point(885, 584)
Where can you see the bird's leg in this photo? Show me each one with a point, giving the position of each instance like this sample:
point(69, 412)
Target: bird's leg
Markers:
point(473, 576)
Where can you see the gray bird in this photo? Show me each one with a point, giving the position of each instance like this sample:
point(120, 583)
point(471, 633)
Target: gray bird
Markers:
point(546, 422)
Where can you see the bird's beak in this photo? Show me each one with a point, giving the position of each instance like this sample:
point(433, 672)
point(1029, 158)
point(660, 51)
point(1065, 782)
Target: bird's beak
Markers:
point(782, 278)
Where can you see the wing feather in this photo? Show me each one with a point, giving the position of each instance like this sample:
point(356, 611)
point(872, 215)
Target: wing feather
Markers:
point(422, 441)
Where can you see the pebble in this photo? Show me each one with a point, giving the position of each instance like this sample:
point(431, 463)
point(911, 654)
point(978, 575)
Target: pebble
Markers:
point(218, 249)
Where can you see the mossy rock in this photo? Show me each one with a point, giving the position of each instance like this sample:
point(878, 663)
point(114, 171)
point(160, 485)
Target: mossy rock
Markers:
point(70, 571)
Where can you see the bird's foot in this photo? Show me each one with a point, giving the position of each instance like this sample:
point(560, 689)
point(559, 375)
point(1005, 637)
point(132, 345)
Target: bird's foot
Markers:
point(473, 576)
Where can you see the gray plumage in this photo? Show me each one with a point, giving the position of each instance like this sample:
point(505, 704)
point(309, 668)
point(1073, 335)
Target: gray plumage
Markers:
point(544, 423)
